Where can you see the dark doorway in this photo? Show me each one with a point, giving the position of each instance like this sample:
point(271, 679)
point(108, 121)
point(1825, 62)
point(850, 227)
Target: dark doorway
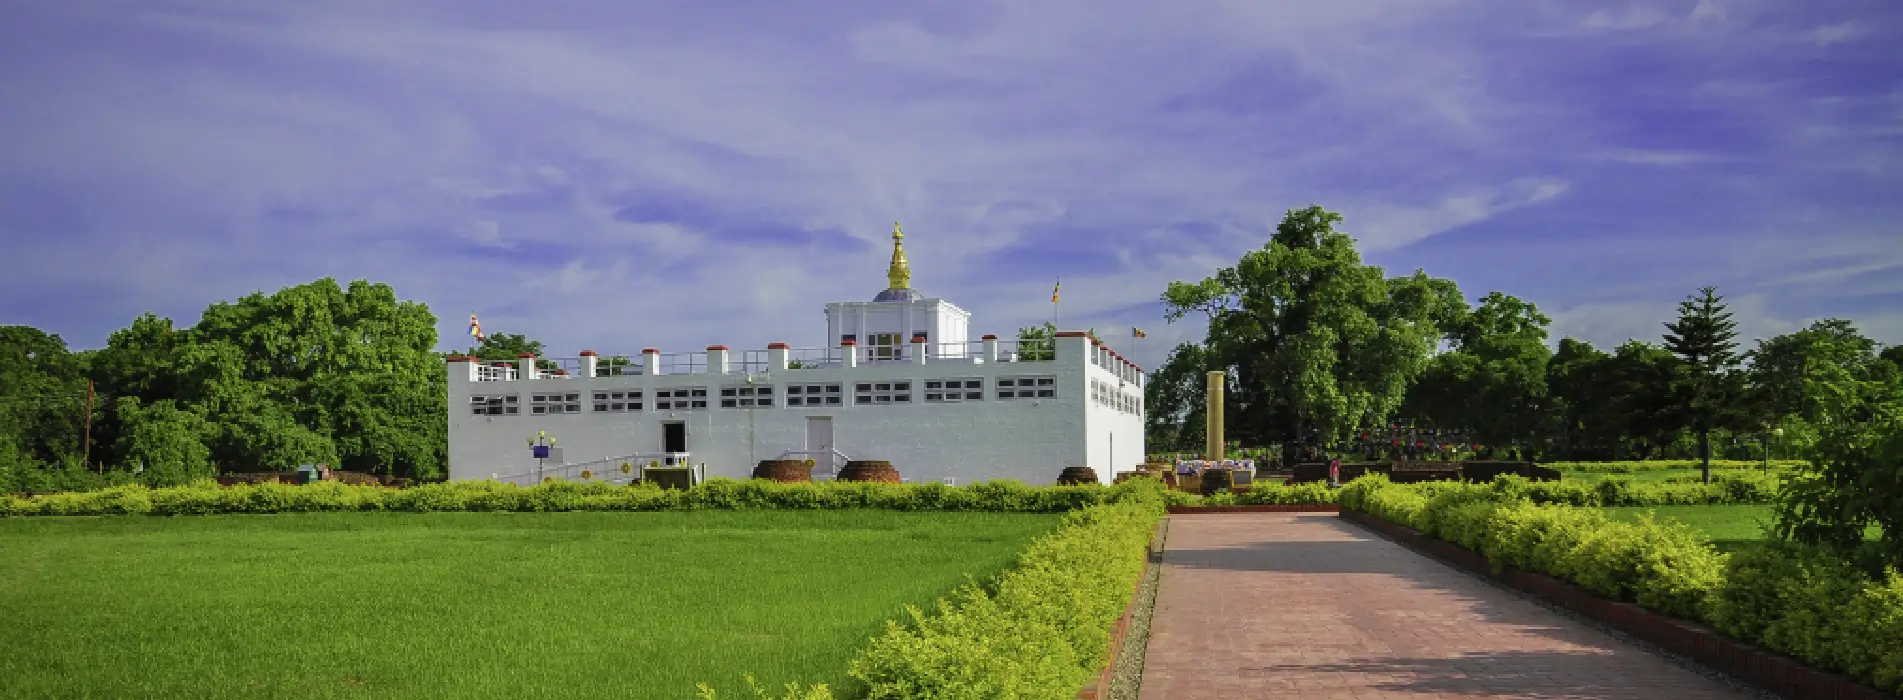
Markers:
point(673, 437)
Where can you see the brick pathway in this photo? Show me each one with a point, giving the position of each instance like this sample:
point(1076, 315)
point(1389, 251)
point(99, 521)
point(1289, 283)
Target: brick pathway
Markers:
point(1301, 606)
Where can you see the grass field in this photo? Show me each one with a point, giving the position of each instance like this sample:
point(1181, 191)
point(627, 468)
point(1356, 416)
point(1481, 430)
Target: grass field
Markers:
point(1729, 527)
point(1655, 475)
point(468, 605)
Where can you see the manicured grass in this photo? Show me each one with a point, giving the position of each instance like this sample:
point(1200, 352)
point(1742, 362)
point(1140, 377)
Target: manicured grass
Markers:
point(1729, 527)
point(1655, 475)
point(469, 605)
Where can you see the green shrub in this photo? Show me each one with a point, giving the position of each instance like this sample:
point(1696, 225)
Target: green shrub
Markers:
point(1808, 603)
point(1276, 493)
point(1634, 467)
point(206, 497)
point(1040, 630)
point(1800, 601)
point(1730, 489)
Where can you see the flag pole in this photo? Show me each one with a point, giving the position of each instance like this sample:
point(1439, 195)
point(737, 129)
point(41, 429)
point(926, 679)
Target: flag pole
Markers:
point(1056, 306)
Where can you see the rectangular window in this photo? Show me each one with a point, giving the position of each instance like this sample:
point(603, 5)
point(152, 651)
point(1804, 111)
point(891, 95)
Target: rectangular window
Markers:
point(679, 399)
point(554, 404)
point(495, 405)
point(815, 395)
point(956, 389)
point(881, 393)
point(1027, 387)
point(617, 401)
point(885, 346)
point(746, 397)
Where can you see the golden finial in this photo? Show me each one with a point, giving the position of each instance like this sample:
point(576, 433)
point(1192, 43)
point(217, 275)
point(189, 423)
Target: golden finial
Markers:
point(899, 275)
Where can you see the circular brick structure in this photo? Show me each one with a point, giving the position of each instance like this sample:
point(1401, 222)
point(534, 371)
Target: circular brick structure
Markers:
point(1072, 476)
point(869, 470)
point(785, 471)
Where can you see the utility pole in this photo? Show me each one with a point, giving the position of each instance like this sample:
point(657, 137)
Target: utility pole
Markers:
point(86, 450)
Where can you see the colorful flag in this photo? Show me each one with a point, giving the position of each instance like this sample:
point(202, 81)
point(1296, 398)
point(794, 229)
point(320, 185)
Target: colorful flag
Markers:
point(1054, 287)
point(475, 327)
point(1136, 332)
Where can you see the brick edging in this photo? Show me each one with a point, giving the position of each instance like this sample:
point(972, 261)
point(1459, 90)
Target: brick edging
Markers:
point(1766, 669)
point(1099, 687)
point(1281, 508)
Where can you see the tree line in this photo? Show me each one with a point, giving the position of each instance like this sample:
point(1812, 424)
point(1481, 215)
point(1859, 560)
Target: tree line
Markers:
point(1320, 347)
point(315, 373)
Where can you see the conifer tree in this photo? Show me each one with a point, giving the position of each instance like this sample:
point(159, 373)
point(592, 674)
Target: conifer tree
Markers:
point(1705, 339)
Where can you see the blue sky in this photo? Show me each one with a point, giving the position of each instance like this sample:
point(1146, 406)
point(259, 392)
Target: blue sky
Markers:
point(614, 175)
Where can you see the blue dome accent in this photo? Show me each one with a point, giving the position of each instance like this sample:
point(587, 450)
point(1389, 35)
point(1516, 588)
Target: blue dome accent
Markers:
point(899, 295)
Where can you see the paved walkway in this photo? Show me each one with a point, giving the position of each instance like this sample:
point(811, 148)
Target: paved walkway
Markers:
point(1290, 606)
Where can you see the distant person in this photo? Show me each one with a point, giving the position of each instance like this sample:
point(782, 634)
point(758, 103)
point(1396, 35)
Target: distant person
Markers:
point(1334, 473)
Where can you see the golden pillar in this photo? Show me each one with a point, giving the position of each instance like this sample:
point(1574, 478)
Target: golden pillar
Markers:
point(1213, 433)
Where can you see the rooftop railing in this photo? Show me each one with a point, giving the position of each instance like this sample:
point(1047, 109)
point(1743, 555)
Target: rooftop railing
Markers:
point(779, 357)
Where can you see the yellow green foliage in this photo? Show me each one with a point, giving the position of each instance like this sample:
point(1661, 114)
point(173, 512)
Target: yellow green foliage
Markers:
point(1793, 599)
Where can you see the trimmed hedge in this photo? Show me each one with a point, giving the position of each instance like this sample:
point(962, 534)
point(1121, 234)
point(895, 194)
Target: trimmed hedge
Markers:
point(1040, 630)
point(1738, 488)
point(721, 494)
point(1262, 493)
point(1783, 597)
point(1658, 464)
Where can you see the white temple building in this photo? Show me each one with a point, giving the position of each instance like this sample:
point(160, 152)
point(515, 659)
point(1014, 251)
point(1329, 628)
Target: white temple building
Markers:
point(899, 379)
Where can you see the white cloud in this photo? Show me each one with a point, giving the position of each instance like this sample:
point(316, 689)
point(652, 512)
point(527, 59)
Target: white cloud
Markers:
point(978, 129)
point(1386, 227)
point(1834, 33)
point(1662, 158)
point(1608, 324)
point(1635, 16)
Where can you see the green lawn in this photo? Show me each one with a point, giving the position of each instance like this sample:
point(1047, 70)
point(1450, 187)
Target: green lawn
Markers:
point(468, 605)
point(1729, 527)
point(1655, 475)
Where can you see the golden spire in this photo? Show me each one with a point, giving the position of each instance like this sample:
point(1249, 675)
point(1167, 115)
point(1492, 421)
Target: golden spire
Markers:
point(899, 275)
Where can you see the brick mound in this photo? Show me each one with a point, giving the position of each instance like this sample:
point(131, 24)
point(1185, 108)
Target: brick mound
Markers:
point(786, 471)
point(869, 470)
point(1077, 476)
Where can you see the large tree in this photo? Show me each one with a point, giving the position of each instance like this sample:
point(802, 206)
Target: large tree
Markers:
point(1781, 367)
point(311, 373)
point(1174, 400)
point(1581, 402)
point(1321, 343)
point(1705, 340)
point(42, 395)
point(354, 367)
point(1492, 379)
point(1854, 475)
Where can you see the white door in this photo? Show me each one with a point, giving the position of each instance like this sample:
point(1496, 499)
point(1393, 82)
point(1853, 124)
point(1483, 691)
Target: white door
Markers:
point(819, 439)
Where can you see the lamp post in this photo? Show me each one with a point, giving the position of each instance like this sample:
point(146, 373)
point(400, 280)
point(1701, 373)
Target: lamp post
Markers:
point(539, 448)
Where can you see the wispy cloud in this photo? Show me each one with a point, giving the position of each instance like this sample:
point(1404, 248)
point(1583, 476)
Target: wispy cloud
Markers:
point(1641, 156)
point(614, 175)
point(1834, 33)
